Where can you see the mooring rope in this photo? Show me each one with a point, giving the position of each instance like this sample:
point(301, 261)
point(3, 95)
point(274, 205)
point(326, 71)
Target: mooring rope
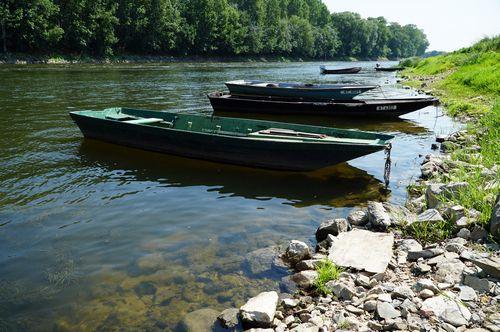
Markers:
point(387, 167)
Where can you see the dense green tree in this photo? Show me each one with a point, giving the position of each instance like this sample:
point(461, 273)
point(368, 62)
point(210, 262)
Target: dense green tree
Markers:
point(302, 28)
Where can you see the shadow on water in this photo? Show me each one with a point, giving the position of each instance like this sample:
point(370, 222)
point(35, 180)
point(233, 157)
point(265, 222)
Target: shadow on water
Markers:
point(337, 186)
point(369, 124)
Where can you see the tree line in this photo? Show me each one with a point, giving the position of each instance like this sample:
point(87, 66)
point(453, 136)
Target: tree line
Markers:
point(303, 28)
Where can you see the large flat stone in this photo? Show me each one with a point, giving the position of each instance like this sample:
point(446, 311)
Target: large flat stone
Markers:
point(362, 250)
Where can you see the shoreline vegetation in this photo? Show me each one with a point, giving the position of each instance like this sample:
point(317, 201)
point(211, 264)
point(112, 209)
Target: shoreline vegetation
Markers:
point(22, 59)
point(254, 28)
point(433, 264)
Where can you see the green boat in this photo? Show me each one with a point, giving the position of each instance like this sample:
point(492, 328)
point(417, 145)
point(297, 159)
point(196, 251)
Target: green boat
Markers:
point(255, 143)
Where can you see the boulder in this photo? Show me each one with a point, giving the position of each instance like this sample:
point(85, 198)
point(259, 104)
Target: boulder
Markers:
point(447, 308)
point(297, 251)
point(426, 253)
point(332, 226)
point(399, 214)
point(494, 225)
point(432, 194)
point(450, 271)
point(409, 245)
point(308, 264)
point(229, 319)
point(454, 212)
point(265, 260)
point(259, 311)
point(358, 217)
point(430, 216)
point(464, 233)
point(467, 293)
point(362, 250)
point(490, 265)
point(341, 289)
point(305, 279)
point(201, 320)
point(378, 216)
point(480, 285)
point(386, 311)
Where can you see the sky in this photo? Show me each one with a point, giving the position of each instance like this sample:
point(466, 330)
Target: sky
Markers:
point(448, 24)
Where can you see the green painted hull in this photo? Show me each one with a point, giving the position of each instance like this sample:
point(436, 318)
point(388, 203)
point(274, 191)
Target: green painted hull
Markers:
point(228, 140)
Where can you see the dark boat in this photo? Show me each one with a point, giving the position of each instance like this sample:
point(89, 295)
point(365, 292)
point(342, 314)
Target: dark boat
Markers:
point(388, 68)
point(353, 107)
point(351, 70)
point(256, 143)
point(297, 90)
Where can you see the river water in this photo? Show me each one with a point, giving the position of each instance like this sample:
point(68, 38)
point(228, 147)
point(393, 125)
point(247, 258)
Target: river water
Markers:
point(95, 236)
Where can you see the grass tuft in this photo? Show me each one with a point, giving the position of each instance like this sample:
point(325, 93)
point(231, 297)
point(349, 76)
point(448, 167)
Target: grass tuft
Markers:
point(327, 271)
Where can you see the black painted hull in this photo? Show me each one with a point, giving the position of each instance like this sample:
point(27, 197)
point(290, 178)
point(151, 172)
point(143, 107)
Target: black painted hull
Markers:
point(353, 70)
point(283, 155)
point(388, 69)
point(371, 108)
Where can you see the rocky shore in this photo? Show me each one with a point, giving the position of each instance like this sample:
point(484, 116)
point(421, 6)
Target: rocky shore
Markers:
point(392, 274)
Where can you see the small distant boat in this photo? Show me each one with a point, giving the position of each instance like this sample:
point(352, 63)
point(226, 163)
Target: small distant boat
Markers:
point(381, 108)
point(256, 143)
point(388, 68)
point(297, 90)
point(351, 70)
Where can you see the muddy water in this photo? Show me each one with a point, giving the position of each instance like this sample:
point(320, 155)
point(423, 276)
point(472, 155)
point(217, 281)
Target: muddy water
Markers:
point(97, 236)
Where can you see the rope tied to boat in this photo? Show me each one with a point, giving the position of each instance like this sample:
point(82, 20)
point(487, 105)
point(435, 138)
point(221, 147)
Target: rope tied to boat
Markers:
point(387, 167)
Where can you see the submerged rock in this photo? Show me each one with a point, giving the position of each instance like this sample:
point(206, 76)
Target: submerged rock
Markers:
point(265, 260)
point(259, 311)
point(362, 250)
point(199, 321)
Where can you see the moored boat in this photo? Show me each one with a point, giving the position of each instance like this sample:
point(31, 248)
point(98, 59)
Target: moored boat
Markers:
point(297, 90)
point(352, 107)
point(388, 68)
point(255, 143)
point(352, 70)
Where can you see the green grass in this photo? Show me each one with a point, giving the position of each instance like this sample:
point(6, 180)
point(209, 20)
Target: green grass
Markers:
point(327, 271)
point(429, 232)
point(468, 82)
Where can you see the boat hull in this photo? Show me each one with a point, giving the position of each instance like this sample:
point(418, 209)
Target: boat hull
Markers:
point(388, 68)
point(279, 155)
point(353, 70)
point(372, 108)
point(346, 92)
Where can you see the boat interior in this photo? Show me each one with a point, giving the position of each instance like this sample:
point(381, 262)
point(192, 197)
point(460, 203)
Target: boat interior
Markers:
point(251, 129)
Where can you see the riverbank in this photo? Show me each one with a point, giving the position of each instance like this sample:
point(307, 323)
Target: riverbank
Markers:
point(431, 265)
point(23, 59)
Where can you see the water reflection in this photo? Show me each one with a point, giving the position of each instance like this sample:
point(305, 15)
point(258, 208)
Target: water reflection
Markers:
point(336, 186)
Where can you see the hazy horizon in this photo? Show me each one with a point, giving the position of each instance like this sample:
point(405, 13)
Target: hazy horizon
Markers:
point(449, 25)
